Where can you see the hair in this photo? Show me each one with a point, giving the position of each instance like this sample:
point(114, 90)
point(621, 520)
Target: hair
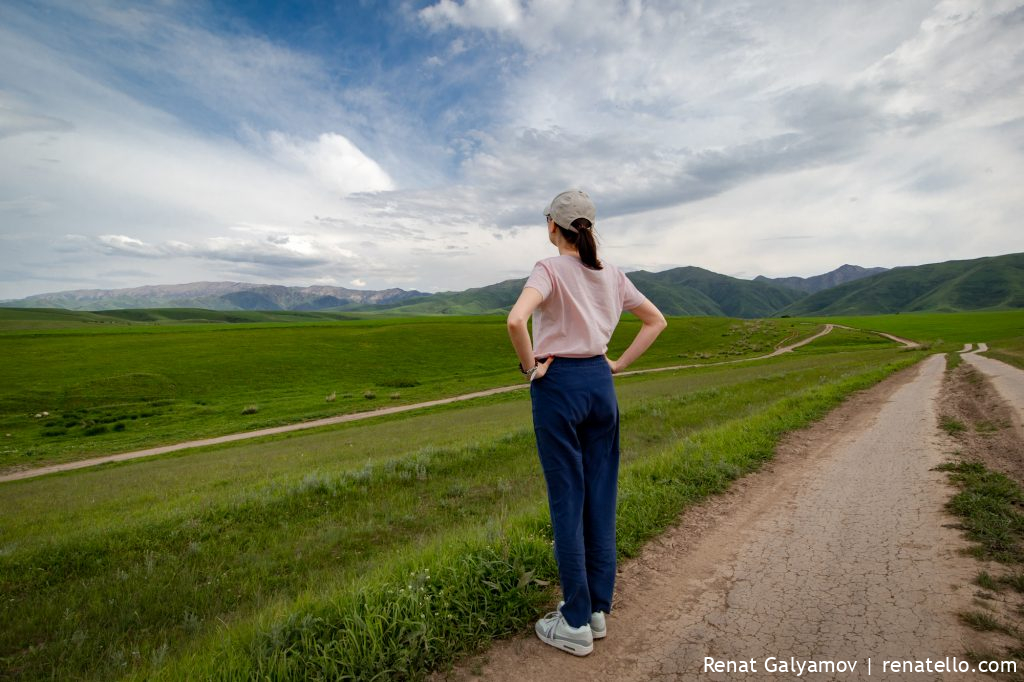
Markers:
point(583, 240)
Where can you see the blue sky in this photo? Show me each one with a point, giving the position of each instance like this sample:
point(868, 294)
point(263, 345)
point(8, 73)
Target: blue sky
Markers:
point(414, 144)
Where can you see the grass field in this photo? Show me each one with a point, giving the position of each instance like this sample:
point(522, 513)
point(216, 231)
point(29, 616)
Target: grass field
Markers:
point(946, 331)
point(1003, 331)
point(147, 567)
point(381, 548)
point(116, 388)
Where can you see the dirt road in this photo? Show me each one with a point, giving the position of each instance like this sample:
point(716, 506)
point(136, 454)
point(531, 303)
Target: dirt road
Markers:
point(836, 551)
point(1007, 380)
point(358, 416)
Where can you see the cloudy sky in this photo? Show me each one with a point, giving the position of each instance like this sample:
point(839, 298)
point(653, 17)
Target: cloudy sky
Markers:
point(414, 143)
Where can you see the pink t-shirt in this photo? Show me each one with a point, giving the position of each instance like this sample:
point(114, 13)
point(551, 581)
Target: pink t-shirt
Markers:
point(580, 308)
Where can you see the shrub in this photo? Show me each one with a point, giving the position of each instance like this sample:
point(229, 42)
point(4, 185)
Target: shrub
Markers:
point(369, 395)
point(332, 397)
point(396, 395)
point(251, 409)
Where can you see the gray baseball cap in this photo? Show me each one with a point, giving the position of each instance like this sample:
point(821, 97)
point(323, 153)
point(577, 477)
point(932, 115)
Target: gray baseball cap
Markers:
point(570, 205)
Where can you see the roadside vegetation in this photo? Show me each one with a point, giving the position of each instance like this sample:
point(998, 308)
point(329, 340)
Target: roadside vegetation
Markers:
point(988, 505)
point(988, 470)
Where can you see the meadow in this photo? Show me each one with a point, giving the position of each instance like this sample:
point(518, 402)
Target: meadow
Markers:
point(945, 331)
point(379, 549)
point(1003, 331)
point(138, 379)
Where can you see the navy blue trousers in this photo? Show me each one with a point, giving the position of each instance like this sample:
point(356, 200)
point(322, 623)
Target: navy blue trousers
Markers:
point(576, 420)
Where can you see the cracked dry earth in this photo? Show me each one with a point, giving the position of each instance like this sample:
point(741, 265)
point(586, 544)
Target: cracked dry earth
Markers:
point(838, 549)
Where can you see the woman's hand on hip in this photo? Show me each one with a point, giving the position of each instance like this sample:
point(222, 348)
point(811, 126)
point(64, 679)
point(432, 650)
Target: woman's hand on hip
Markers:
point(613, 365)
point(542, 368)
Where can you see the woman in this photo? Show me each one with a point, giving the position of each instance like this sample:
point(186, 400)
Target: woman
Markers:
point(576, 301)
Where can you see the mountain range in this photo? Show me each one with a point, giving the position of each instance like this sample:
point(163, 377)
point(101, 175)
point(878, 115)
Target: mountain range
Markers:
point(215, 296)
point(990, 283)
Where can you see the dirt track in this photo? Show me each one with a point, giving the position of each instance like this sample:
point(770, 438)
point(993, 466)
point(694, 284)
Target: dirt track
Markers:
point(837, 550)
point(1007, 380)
point(358, 416)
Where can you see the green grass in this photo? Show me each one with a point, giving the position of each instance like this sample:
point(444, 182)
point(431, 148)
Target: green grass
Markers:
point(121, 388)
point(39, 319)
point(951, 425)
point(202, 564)
point(984, 579)
point(840, 339)
point(983, 622)
point(1010, 351)
point(989, 505)
point(946, 331)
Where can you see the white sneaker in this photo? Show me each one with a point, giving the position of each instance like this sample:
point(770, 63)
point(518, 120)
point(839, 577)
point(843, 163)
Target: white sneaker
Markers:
point(598, 627)
point(552, 629)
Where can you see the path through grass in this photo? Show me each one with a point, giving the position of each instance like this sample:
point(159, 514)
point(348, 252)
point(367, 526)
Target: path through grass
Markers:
point(137, 567)
point(117, 389)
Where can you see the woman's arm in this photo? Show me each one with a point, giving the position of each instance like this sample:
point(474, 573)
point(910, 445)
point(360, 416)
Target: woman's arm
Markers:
point(517, 317)
point(653, 324)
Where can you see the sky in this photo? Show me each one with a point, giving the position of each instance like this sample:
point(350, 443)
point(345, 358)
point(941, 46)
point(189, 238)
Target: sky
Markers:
point(415, 143)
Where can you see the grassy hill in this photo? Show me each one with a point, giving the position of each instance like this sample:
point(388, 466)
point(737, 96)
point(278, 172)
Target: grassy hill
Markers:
point(492, 299)
point(687, 291)
point(993, 283)
point(695, 291)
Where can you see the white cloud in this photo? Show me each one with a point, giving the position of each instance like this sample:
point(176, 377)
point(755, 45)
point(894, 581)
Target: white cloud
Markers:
point(484, 14)
point(358, 283)
point(709, 134)
point(337, 163)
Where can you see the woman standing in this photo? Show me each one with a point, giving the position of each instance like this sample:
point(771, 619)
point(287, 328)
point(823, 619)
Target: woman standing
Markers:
point(576, 301)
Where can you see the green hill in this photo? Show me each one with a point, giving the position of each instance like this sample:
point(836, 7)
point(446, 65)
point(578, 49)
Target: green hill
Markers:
point(680, 291)
point(491, 299)
point(992, 283)
point(695, 291)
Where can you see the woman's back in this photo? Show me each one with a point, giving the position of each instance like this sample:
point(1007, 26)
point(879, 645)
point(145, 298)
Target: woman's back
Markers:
point(581, 306)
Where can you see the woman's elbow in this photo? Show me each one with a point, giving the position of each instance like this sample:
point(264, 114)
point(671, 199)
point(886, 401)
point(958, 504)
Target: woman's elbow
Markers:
point(515, 322)
point(655, 320)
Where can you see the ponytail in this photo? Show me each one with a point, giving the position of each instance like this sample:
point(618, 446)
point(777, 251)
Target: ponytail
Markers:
point(582, 237)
